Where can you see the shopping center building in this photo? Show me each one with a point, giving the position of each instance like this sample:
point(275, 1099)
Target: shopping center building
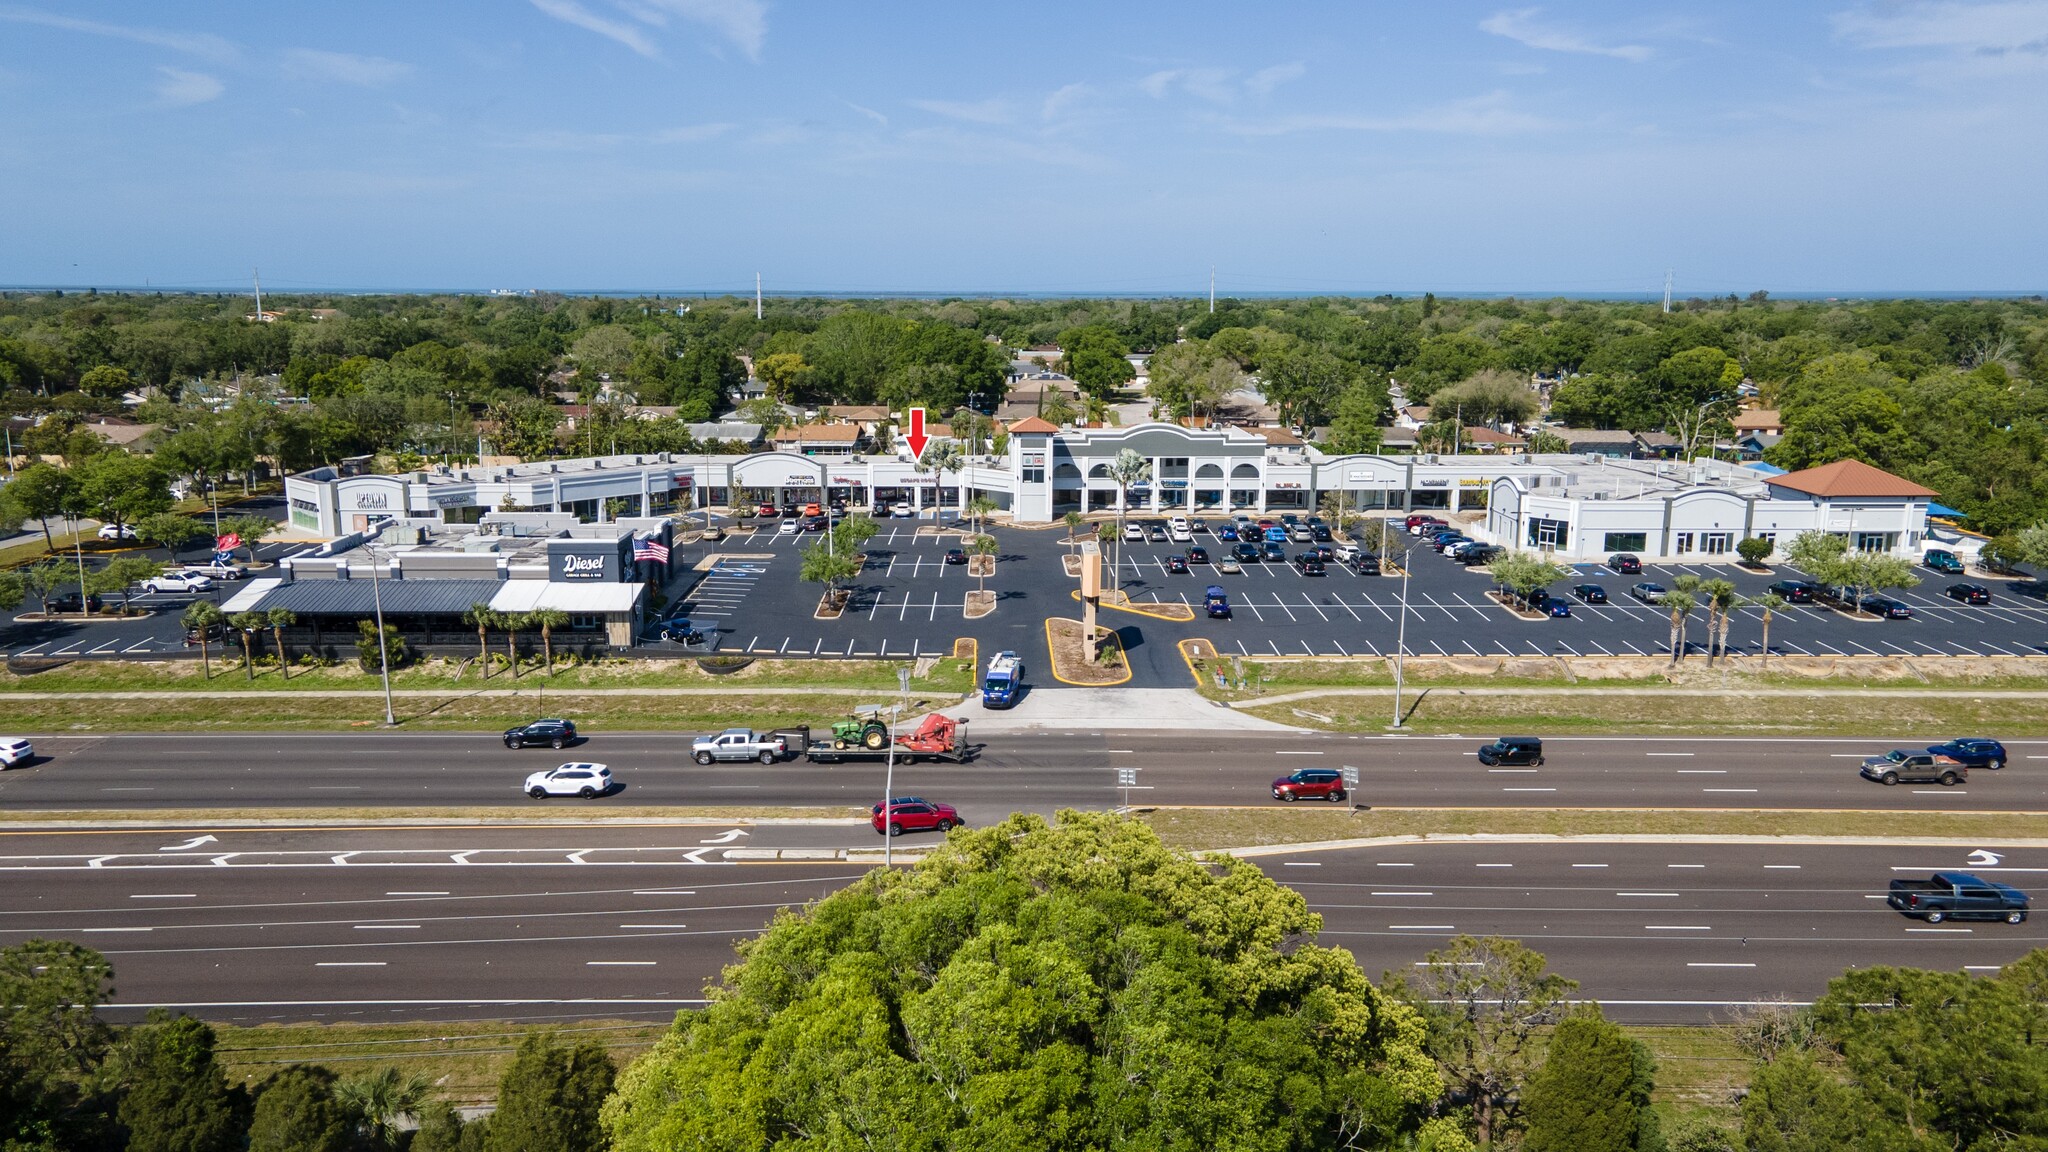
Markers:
point(1579, 506)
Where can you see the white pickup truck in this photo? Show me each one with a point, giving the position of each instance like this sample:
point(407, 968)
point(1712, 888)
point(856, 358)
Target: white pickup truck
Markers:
point(739, 744)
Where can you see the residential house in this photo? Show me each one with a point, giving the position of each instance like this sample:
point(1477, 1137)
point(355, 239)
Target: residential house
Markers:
point(818, 439)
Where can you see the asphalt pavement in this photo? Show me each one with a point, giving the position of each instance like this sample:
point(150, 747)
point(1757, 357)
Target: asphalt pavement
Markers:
point(1033, 772)
point(581, 921)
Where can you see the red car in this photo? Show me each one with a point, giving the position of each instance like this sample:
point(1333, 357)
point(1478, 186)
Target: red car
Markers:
point(913, 815)
point(766, 510)
point(1310, 784)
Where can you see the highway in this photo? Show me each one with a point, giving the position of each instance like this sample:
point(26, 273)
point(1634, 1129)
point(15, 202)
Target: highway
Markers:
point(322, 923)
point(1037, 772)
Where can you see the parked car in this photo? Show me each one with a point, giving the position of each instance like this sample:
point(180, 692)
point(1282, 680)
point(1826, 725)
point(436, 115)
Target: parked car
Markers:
point(554, 732)
point(1156, 533)
point(1198, 555)
point(816, 523)
point(904, 510)
point(214, 633)
point(1177, 564)
point(1914, 768)
point(1229, 567)
point(1544, 602)
point(1513, 750)
point(1320, 533)
point(1973, 752)
point(1419, 518)
point(956, 555)
point(1942, 560)
point(1245, 553)
point(214, 571)
point(1795, 591)
point(1226, 533)
point(14, 750)
point(1960, 896)
point(914, 815)
point(1590, 593)
point(1322, 552)
point(791, 525)
point(1478, 554)
point(765, 511)
point(1310, 784)
point(1134, 534)
point(1198, 525)
point(1273, 553)
point(69, 602)
point(585, 780)
point(1625, 563)
point(680, 630)
point(1969, 593)
point(1366, 564)
point(1444, 540)
point(177, 582)
point(1647, 592)
point(1886, 607)
point(1216, 602)
point(117, 532)
point(1310, 564)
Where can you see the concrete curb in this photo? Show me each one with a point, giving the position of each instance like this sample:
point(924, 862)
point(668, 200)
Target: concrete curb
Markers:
point(1617, 838)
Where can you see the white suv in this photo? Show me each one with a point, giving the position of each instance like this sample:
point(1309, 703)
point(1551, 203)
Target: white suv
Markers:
point(178, 582)
point(14, 752)
point(116, 532)
point(580, 779)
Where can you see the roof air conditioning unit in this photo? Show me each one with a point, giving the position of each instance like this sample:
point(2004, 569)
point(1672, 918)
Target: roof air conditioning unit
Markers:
point(1430, 459)
point(1599, 495)
point(554, 468)
point(1590, 457)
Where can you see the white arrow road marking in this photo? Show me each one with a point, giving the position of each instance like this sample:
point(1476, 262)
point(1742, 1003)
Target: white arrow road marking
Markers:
point(1984, 859)
point(189, 844)
point(725, 837)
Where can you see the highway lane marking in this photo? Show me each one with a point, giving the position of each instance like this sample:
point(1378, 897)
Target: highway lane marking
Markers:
point(1589, 865)
point(1404, 893)
point(415, 893)
point(654, 925)
point(1493, 865)
point(1509, 770)
point(1528, 789)
point(1426, 927)
point(619, 963)
point(663, 892)
point(348, 963)
point(1302, 863)
point(127, 789)
point(1938, 792)
point(1284, 752)
point(1727, 789)
point(1685, 865)
point(360, 927)
point(1668, 753)
point(1702, 771)
point(1646, 893)
point(1384, 864)
point(1716, 964)
point(1909, 929)
point(1678, 927)
point(165, 896)
point(1790, 866)
point(117, 929)
point(1983, 967)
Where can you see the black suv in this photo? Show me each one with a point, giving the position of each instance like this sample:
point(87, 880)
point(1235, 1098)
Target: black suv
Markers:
point(1625, 562)
point(1513, 750)
point(553, 733)
point(1795, 591)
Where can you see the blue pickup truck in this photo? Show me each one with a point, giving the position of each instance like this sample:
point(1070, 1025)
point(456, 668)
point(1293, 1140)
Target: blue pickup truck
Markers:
point(1004, 682)
point(1958, 896)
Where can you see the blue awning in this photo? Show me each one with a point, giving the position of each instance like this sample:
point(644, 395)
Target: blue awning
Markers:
point(1766, 469)
point(1945, 510)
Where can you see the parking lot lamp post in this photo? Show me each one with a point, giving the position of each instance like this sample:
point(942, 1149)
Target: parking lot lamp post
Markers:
point(1401, 639)
point(383, 652)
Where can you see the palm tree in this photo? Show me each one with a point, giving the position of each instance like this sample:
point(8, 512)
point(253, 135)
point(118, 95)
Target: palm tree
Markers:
point(1106, 533)
point(510, 623)
point(201, 616)
point(942, 456)
point(281, 619)
point(249, 624)
point(1127, 469)
point(380, 1099)
point(1722, 601)
point(1770, 602)
point(480, 617)
point(1680, 605)
point(547, 620)
point(1073, 521)
point(983, 545)
point(979, 508)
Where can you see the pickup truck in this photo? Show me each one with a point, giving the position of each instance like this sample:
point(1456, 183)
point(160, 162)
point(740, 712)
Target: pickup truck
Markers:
point(1958, 896)
point(738, 744)
point(1914, 768)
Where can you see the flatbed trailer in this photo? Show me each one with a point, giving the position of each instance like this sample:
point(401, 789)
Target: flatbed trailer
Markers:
point(937, 738)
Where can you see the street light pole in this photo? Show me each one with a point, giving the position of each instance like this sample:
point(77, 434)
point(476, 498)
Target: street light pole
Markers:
point(1401, 640)
point(383, 653)
point(889, 780)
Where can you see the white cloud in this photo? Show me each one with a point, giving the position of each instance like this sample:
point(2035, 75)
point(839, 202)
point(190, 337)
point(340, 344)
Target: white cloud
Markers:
point(570, 12)
point(690, 133)
point(744, 22)
point(870, 113)
point(202, 44)
point(365, 71)
point(2008, 28)
point(1265, 80)
point(1058, 102)
point(1488, 115)
point(180, 88)
point(978, 112)
point(1520, 25)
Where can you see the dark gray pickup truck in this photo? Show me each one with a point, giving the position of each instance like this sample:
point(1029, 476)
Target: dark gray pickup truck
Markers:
point(1959, 896)
point(1915, 768)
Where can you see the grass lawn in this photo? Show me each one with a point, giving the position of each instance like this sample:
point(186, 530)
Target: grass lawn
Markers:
point(1220, 828)
point(1439, 709)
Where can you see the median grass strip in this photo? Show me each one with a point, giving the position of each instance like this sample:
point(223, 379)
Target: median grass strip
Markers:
point(1439, 710)
point(1219, 829)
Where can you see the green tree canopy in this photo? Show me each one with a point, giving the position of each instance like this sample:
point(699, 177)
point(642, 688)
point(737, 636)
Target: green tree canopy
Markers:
point(296, 1111)
point(550, 1097)
point(1042, 987)
point(176, 1098)
point(1593, 1092)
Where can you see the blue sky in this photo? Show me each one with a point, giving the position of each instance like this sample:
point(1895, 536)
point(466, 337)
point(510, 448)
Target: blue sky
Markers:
point(687, 144)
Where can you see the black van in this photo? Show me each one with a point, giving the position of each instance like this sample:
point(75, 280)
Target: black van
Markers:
point(1512, 750)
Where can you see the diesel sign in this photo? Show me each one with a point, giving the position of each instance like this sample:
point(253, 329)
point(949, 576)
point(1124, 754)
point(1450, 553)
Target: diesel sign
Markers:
point(582, 567)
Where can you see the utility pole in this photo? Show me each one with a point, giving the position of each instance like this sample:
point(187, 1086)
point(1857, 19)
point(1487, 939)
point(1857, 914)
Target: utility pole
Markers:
point(1212, 289)
point(1667, 289)
point(383, 652)
point(256, 278)
point(1401, 638)
point(757, 297)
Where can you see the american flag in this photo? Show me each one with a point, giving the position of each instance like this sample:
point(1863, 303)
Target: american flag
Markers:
point(653, 550)
point(227, 543)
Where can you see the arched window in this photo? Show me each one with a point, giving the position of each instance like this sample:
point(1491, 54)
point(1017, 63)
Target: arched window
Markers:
point(1066, 471)
point(1244, 472)
point(1099, 472)
point(1209, 472)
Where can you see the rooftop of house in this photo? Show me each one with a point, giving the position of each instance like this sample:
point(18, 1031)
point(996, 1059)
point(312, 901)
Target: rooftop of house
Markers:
point(1848, 478)
point(1758, 420)
point(817, 434)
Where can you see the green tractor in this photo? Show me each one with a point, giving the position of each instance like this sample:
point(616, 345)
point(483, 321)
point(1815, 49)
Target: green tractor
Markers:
point(863, 729)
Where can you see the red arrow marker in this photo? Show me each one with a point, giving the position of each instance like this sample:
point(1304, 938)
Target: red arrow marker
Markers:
point(917, 438)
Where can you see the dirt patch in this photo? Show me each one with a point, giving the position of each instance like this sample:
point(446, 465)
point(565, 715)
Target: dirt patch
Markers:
point(1070, 663)
point(981, 565)
point(831, 606)
point(1072, 564)
point(1513, 605)
point(980, 604)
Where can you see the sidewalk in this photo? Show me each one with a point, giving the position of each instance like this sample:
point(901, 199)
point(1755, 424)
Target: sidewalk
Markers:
point(1122, 709)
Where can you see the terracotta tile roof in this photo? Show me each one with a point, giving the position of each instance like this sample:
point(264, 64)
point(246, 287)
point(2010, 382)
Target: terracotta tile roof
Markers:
point(1758, 420)
point(1848, 478)
point(1276, 437)
point(1033, 424)
point(1489, 436)
point(818, 433)
point(857, 411)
